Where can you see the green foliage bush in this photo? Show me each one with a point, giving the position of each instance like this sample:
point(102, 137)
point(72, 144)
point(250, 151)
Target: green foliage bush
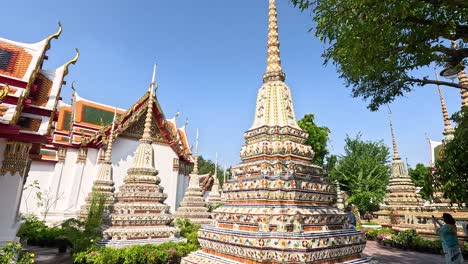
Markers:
point(164, 253)
point(159, 254)
point(82, 234)
point(188, 230)
point(12, 253)
point(35, 232)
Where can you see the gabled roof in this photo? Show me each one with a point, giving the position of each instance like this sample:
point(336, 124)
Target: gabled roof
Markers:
point(129, 121)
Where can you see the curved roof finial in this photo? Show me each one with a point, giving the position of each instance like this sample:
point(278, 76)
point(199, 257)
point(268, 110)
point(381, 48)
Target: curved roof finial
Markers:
point(72, 61)
point(53, 36)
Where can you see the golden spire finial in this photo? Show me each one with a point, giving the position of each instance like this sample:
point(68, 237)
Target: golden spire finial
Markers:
point(111, 138)
point(72, 61)
point(274, 72)
point(448, 130)
point(195, 165)
point(396, 156)
point(149, 114)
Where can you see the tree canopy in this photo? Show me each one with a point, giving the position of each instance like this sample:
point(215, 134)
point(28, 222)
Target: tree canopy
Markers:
point(451, 174)
point(318, 137)
point(363, 172)
point(377, 45)
point(422, 177)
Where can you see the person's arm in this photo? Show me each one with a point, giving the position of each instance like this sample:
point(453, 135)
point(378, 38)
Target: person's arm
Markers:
point(436, 223)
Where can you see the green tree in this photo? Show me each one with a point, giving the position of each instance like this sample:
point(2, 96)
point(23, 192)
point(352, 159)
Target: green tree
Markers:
point(318, 137)
point(377, 45)
point(451, 174)
point(363, 172)
point(422, 177)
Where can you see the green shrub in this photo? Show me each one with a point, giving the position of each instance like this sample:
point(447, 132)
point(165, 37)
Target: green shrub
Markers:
point(36, 233)
point(406, 237)
point(12, 253)
point(188, 230)
point(81, 235)
point(166, 253)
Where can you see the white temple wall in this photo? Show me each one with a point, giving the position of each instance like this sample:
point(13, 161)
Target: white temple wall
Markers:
point(42, 172)
point(69, 183)
point(11, 187)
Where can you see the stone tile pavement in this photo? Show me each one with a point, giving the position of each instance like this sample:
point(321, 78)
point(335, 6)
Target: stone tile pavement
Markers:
point(388, 255)
point(46, 255)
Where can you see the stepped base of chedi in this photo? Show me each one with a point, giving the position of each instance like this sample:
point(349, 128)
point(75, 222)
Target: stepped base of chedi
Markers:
point(279, 207)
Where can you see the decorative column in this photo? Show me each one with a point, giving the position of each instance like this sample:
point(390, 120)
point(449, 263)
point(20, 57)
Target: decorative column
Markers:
point(13, 172)
point(140, 216)
point(73, 206)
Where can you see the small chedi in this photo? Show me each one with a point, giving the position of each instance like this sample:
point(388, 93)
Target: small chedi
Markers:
point(192, 206)
point(214, 197)
point(402, 199)
point(279, 207)
point(104, 183)
point(139, 215)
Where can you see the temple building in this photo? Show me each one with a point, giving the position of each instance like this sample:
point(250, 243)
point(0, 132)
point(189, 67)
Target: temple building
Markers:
point(279, 206)
point(67, 143)
point(29, 99)
point(193, 206)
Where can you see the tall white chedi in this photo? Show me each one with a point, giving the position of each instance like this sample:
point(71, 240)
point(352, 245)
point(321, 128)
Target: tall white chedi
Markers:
point(140, 216)
point(192, 206)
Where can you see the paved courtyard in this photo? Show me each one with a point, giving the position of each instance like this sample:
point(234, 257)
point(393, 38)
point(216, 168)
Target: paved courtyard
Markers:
point(384, 255)
point(392, 255)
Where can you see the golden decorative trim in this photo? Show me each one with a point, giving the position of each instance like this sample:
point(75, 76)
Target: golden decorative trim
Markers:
point(4, 92)
point(16, 158)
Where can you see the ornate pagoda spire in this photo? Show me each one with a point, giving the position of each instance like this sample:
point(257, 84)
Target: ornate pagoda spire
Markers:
point(274, 72)
point(140, 215)
point(279, 207)
point(396, 155)
point(195, 165)
point(463, 80)
point(448, 129)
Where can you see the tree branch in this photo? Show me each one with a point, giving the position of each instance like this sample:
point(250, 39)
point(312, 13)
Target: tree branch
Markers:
point(453, 3)
point(428, 81)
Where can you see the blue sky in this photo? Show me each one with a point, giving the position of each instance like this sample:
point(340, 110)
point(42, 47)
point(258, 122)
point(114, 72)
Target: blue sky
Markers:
point(211, 57)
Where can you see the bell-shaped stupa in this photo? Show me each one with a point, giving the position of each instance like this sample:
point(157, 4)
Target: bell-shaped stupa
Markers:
point(279, 207)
